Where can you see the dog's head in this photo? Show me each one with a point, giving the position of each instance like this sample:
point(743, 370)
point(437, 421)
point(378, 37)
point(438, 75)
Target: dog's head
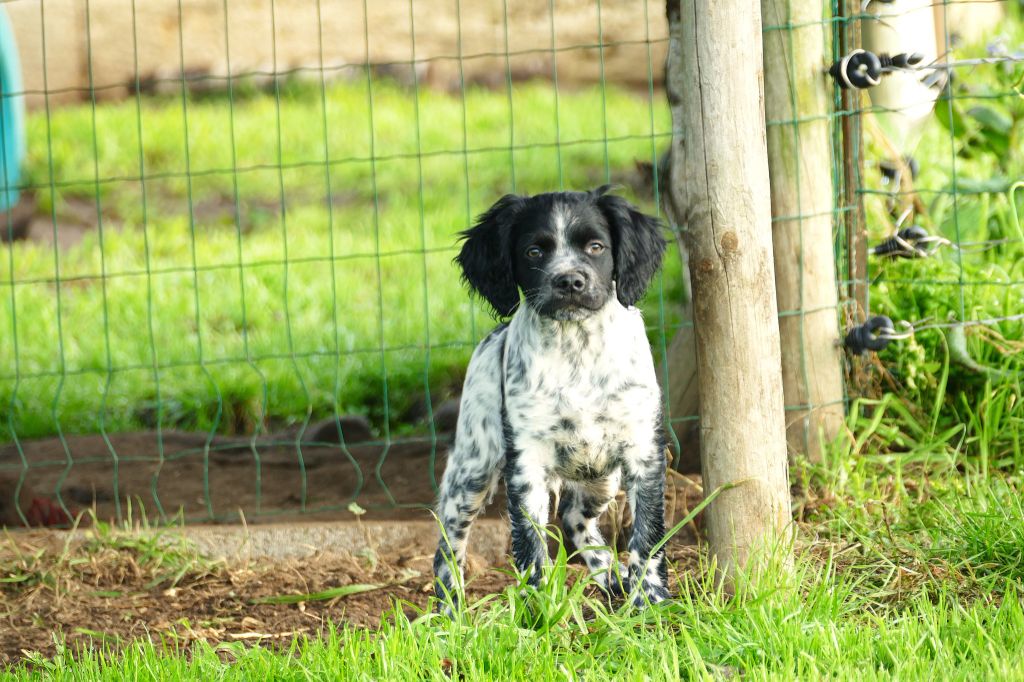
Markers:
point(569, 252)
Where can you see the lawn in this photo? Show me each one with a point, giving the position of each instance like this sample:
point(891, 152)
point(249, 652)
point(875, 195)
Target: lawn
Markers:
point(284, 257)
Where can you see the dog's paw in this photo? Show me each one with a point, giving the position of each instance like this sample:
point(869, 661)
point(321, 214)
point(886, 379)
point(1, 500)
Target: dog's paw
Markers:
point(446, 597)
point(615, 584)
point(649, 594)
point(446, 607)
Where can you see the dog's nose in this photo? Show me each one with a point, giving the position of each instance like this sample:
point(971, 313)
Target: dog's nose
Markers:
point(570, 282)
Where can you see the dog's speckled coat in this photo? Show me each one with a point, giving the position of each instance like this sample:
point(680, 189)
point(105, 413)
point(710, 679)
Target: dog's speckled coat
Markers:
point(564, 397)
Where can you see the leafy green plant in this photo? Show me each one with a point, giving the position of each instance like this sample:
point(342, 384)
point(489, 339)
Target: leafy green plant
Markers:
point(966, 298)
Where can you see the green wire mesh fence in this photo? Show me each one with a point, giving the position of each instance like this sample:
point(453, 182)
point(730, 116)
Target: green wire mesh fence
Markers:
point(228, 288)
point(235, 291)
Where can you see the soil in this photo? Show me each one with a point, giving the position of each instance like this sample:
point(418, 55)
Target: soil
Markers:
point(224, 479)
point(102, 593)
point(93, 592)
point(160, 477)
point(97, 594)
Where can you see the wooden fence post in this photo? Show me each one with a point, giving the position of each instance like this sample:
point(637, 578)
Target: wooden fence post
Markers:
point(796, 108)
point(728, 216)
point(681, 361)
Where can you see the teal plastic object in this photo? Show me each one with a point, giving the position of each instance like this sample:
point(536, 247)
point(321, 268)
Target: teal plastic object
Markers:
point(12, 116)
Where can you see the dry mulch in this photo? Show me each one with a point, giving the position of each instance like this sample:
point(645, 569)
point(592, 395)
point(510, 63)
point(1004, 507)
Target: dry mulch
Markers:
point(108, 592)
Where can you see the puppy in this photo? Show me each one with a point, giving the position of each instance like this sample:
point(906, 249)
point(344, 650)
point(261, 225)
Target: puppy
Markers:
point(562, 398)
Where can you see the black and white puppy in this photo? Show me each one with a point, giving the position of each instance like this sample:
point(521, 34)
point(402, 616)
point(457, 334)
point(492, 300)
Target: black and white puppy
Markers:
point(563, 398)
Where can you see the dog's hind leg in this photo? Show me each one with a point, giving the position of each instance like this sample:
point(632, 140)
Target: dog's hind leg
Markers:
point(579, 508)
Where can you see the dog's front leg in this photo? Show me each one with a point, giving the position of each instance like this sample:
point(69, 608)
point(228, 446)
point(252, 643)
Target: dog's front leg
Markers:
point(648, 572)
point(579, 508)
point(528, 511)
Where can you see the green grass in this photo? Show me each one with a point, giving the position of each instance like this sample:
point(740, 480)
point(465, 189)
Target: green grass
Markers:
point(347, 300)
point(807, 636)
point(858, 606)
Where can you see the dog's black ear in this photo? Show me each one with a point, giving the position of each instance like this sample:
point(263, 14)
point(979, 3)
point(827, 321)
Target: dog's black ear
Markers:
point(638, 245)
point(486, 256)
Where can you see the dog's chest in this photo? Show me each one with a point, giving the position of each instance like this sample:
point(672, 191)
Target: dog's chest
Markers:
point(582, 410)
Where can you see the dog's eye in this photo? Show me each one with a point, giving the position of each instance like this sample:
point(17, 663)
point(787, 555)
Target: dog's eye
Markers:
point(534, 252)
point(594, 248)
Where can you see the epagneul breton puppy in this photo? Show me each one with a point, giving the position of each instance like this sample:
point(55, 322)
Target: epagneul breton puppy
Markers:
point(562, 398)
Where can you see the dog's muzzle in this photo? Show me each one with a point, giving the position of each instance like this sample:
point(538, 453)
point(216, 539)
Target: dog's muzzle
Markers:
point(573, 296)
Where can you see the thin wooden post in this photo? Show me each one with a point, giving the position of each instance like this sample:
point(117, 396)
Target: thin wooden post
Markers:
point(854, 223)
point(683, 393)
point(726, 195)
point(796, 108)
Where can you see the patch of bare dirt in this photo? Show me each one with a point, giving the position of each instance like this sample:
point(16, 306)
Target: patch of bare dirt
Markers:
point(108, 594)
point(221, 478)
point(276, 478)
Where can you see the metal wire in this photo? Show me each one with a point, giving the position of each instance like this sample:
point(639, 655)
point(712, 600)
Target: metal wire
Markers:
point(314, 369)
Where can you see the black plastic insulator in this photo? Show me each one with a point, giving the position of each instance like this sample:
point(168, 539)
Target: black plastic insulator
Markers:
point(902, 60)
point(860, 69)
point(891, 169)
point(894, 249)
point(914, 58)
point(865, 337)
